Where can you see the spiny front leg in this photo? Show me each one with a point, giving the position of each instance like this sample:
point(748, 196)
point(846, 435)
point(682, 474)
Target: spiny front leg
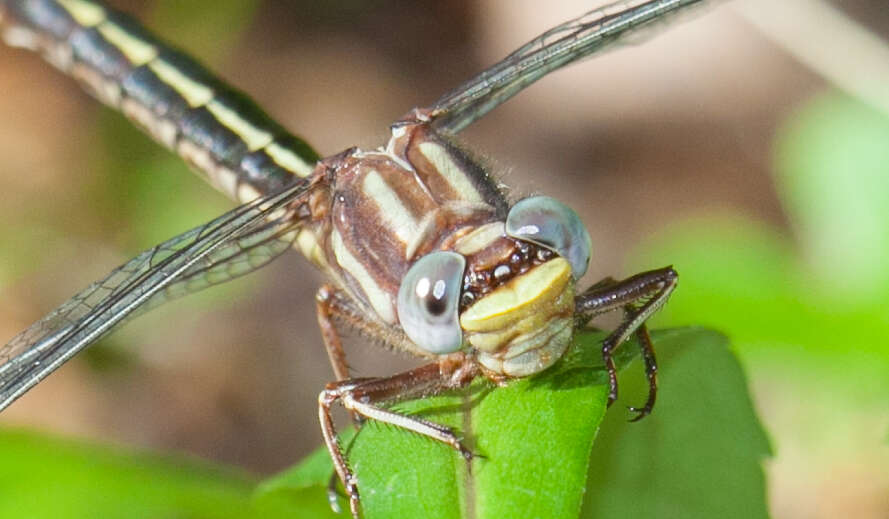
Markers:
point(364, 396)
point(334, 307)
point(639, 296)
point(326, 306)
point(331, 394)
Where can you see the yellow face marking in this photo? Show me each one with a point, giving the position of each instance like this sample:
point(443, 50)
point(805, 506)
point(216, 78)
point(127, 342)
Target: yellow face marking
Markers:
point(379, 300)
point(455, 177)
point(536, 354)
point(479, 238)
point(252, 136)
point(392, 210)
point(289, 160)
point(86, 14)
point(529, 295)
point(194, 93)
point(136, 50)
point(524, 326)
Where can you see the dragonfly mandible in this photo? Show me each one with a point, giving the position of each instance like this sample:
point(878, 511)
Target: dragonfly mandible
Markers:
point(423, 250)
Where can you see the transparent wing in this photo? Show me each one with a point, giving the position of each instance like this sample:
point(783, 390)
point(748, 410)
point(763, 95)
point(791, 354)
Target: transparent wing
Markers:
point(241, 255)
point(237, 242)
point(557, 47)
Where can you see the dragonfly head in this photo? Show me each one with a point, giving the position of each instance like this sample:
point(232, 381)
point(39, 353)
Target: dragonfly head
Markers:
point(504, 291)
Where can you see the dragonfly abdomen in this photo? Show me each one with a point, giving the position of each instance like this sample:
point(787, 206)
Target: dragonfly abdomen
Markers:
point(216, 129)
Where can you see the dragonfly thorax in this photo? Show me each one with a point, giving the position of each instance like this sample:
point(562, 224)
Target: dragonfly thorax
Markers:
point(419, 234)
point(392, 206)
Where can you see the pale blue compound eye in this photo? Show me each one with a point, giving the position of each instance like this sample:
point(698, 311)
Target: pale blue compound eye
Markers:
point(552, 224)
point(428, 299)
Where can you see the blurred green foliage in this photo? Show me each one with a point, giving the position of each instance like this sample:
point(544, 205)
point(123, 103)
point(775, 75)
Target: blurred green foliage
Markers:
point(819, 298)
point(43, 477)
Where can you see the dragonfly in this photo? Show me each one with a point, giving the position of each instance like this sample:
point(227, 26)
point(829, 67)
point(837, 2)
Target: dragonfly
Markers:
point(423, 250)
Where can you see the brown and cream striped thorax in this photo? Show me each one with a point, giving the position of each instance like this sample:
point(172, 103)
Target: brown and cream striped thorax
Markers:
point(393, 205)
point(376, 213)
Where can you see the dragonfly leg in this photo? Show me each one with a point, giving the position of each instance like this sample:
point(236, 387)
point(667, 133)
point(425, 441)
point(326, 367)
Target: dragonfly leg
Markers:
point(334, 305)
point(650, 362)
point(364, 396)
point(337, 356)
point(639, 297)
point(325, 306)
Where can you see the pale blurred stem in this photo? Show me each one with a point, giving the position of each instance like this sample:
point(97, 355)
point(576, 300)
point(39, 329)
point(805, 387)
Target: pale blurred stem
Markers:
point(828, 42)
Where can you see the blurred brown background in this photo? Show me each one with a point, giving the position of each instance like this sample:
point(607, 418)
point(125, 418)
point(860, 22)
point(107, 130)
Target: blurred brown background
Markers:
point(634, 140)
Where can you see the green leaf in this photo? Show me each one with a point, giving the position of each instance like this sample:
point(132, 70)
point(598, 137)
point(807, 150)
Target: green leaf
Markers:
point(51, 478)
point(699, 455)
point(534, 436)
point(303, 487)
